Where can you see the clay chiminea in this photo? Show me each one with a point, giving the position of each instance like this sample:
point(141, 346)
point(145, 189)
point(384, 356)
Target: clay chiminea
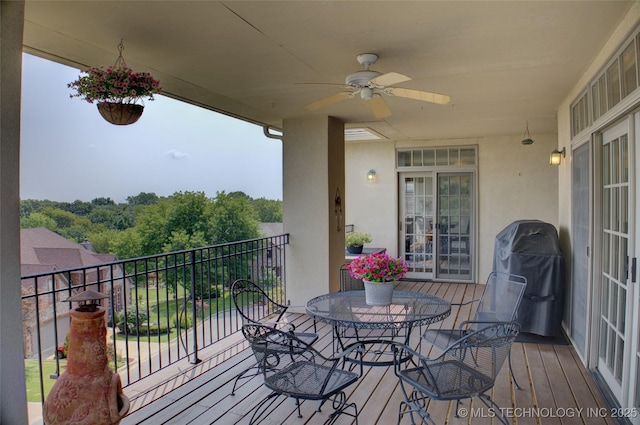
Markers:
point(88, 392)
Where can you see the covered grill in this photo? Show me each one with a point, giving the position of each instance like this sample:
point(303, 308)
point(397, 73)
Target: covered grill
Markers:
point(530, 248)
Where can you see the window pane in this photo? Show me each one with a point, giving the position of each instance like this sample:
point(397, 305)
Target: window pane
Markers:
point(584, 111)
point(602, 85)
point(467, 156)
point(605, 165)
point(613, 84)
point(575, 126)
point(442, 156)
point(404, 158)
point(417, 158)
point(454, 156)
point(629, 72)
point(429, 157)
point(624, 160)
point(595, 97)
point(615, 160)
point(606, 209)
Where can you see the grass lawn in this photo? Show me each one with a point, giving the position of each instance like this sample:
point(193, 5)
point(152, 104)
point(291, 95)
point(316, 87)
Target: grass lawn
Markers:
point(33, 377)
point(163, 310)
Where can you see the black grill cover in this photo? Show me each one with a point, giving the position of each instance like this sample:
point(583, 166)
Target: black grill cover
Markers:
point(530, 248)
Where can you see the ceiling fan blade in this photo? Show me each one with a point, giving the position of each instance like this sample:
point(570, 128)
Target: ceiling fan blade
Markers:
point(379, 107)
point(326, 101)
point(426, 96)
point(389, 79)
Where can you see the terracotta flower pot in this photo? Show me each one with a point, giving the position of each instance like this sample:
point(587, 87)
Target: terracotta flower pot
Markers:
point(88, 391)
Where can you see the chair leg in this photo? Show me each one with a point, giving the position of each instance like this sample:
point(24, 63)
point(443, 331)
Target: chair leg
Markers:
point(512, 375)
point(262, 407)
point(488, 401)
point(243, 375)
point(340, 406)
point(298, 406)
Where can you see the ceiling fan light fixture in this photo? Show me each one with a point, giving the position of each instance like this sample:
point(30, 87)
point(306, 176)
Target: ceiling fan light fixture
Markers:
point(371, 85)
point(366, 93)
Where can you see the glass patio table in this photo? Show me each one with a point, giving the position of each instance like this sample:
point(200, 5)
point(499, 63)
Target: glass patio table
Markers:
point(378, 327)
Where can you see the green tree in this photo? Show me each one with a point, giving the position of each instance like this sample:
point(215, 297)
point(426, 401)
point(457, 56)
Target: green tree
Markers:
point(37, 219)
point(234, 219)
point(187, 214)
point(143, 198)
point(102, 201)
point(77, 207)
point(101, 215)
point(126, 244)
point(269, 210)
point(62, 218)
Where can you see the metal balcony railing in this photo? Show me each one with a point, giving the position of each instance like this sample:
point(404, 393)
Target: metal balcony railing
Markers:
point(161, 309)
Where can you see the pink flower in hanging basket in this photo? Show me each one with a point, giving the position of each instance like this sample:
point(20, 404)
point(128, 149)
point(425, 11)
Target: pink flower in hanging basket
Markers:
point(117, 83)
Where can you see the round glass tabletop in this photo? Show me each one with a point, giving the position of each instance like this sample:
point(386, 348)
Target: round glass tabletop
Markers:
point(407, 309)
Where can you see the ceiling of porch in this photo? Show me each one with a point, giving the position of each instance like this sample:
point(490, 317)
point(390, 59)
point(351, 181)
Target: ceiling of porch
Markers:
point(503, 63)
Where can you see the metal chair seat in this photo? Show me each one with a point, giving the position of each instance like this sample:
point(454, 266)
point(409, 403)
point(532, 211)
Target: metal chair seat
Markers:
point(310, 381)
point(461, 381)
point(293, 368)
point(467, 368)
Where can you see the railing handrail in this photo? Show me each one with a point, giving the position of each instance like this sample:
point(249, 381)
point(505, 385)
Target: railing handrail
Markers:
point(184, 251)
point(194, 300)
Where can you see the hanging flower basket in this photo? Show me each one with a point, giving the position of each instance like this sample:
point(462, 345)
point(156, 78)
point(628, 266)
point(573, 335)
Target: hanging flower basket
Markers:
point(117, 89)
point(120, 113)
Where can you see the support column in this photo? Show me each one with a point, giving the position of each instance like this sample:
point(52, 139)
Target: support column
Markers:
point(313, 203)
point(13, 396)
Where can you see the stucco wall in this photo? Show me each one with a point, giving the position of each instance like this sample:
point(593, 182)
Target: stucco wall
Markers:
point(316, 242)
point(514, 182)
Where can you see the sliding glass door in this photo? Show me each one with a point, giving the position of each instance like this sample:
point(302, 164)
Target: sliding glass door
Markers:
point(437, 225)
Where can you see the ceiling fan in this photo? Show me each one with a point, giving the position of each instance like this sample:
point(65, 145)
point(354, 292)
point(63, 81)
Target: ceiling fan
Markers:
point(371, 85)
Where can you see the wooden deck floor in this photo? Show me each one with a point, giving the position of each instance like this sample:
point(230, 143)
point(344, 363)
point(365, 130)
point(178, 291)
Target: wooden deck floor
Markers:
point(556, 388)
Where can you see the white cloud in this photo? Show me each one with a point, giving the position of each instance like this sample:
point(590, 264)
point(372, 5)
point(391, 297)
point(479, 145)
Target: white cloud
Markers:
point(176, 154)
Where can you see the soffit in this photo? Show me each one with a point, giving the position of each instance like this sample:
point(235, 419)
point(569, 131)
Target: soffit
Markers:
point(503, 63)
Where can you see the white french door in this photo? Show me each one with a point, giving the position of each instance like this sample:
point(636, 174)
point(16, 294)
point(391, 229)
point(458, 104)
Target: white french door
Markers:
point(617, 303)
point(436, 211)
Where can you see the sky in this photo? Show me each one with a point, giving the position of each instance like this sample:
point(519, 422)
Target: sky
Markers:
point(69, 152)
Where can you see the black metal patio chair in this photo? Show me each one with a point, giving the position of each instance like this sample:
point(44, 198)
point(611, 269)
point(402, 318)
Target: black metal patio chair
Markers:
point(499, 303)
point(466, 369)
point(293, 368)
point(255, 306)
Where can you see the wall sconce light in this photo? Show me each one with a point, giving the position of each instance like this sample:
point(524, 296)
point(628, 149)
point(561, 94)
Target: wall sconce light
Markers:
point(556, 156)
point(371, 175)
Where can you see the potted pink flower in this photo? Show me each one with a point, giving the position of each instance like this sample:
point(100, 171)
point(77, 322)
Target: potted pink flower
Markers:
point(378, 272)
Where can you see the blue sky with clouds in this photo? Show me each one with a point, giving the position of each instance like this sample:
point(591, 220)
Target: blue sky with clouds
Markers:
point(69, 152)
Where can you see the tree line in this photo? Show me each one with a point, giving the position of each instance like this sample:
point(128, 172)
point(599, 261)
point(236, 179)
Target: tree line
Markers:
point(148, 224)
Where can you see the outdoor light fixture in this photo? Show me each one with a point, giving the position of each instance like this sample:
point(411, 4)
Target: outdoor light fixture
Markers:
point(371, 175)
point(556, 156)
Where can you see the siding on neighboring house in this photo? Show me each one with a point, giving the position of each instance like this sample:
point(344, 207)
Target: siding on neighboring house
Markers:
point(264, 268)
point(44, 251)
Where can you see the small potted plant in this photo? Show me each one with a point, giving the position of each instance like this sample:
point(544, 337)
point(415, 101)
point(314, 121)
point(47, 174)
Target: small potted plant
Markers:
point(116, 89)
point(378, 271)
point(354, 241)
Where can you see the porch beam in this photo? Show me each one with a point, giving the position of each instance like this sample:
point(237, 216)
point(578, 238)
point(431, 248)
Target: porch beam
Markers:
point(13, 399)
point(313, 205)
